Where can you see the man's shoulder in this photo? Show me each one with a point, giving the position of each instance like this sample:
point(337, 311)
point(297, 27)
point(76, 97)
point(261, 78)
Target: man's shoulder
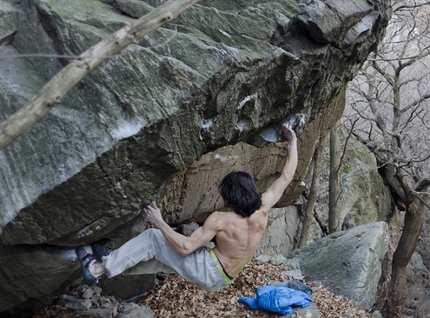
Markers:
point(224, 216)
point(223, 212)
point(232, 217)
point(218, 217)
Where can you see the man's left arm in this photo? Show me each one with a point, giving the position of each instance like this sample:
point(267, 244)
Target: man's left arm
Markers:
point(184, 245)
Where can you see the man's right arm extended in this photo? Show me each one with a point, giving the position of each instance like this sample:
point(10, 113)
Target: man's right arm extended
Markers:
point(275, 191)
point(184, 245)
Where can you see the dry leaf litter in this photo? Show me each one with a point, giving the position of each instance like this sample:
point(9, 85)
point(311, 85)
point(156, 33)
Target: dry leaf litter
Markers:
point(174, 297)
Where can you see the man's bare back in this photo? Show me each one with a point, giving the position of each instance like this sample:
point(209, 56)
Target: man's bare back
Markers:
point(239, 239)
point(237, 236)
point(238, 230)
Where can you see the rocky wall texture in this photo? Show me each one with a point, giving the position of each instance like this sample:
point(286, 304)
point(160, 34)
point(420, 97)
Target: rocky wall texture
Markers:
point(363, 197)
point(349, 262)
point(223, 72)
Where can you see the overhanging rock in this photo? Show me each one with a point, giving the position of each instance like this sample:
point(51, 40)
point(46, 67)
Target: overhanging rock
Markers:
point(219, 74)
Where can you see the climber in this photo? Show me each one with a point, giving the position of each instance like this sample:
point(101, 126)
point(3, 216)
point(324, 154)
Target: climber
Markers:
point(238, 229)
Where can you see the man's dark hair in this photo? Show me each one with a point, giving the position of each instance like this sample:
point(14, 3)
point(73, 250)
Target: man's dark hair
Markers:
point(241, 193)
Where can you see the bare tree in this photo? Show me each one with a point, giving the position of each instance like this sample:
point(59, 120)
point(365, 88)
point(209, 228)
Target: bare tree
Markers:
point(334, 211)
point(53, 92)
point(313, 194)
point(390, 97)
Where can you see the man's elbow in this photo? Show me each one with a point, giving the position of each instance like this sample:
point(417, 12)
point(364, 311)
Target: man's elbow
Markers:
point(287, 178)
point(185, 250)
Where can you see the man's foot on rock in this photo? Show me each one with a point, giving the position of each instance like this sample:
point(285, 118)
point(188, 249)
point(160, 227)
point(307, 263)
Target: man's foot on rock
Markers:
point(91, 268)
point(99, 250)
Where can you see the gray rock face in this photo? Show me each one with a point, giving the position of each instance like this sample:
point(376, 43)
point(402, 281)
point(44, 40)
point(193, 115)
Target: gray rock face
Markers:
point(280, 234)
point(8, 22)
point(143, 116)
point(364, 197)
point(219, 74)
point(347, 262)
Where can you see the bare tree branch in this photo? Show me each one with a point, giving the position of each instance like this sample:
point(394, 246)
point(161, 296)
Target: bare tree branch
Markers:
point(409, 7)
point(383, 73)
point(415, 103)
point(53, 92)
point(76, 57)
point(345, 145)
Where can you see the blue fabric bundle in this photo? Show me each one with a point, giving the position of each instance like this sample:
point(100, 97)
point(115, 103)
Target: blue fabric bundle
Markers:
point(297, 286)
point(277, 299)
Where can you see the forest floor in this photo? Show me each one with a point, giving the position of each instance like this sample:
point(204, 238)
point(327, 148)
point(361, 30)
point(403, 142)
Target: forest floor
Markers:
point(175, 297)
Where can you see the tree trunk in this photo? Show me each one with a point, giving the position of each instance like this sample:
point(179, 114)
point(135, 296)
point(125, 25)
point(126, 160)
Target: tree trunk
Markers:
point(414, 219)
point(416, 207)
point(334, 219)
point(313, 193)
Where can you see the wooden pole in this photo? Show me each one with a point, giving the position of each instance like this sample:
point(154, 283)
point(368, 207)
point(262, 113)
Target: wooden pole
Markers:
point(53, 92)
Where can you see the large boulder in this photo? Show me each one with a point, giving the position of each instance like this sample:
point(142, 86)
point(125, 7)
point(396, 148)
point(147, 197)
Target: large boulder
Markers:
point(185, 199)
point(8, 22)
point(348, 262)
point(219, 74)
point(123, 132)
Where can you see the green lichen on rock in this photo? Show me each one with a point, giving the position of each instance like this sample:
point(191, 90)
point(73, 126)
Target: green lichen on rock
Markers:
point(217, 75)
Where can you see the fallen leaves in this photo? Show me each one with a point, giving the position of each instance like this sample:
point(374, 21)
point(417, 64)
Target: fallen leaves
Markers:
point(175, 297)
point(331, 305)
point(168, 298)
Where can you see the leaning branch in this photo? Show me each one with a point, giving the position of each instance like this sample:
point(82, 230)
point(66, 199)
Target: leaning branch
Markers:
point(53, 92)
point(422, 184)
point(346, 144)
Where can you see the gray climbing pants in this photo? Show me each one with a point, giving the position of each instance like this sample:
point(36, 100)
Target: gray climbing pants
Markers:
point(150, 253)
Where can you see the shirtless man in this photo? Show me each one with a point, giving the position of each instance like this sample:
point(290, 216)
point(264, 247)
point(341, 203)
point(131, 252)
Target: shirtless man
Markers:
point(238, 230)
